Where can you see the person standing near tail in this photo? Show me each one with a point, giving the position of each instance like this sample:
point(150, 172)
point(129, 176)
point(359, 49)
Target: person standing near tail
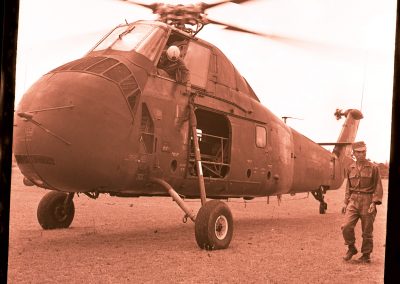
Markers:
point(363, 192)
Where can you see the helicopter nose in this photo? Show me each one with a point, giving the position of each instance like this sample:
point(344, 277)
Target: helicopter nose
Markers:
point(74, 131)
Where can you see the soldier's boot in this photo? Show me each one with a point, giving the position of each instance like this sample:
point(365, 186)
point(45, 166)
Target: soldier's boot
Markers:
point(365, 258)
point(350, 252)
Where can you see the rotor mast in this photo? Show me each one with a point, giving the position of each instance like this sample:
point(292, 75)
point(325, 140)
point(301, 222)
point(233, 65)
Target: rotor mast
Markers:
point(189, 18)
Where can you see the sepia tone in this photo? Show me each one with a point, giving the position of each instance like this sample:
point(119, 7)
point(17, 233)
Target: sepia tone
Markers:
point(143, 240)
point(174, 118)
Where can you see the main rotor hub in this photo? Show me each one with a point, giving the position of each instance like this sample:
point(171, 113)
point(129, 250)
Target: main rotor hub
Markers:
point(188, 18)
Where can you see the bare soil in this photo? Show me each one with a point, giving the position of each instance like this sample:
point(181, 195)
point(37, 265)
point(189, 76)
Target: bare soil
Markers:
point(118, 240)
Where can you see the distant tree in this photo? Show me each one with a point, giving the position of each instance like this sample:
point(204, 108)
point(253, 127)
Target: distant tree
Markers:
point(383, 169)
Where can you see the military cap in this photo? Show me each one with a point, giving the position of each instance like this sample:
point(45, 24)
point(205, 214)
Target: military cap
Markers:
point(359, 146)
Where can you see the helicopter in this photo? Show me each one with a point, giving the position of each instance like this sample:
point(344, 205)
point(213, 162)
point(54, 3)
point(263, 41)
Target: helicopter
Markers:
point(118, 121)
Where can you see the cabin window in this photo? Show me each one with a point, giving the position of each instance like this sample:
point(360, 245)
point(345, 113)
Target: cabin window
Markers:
point(197, 60)
point(147, 131)
point(261, 137)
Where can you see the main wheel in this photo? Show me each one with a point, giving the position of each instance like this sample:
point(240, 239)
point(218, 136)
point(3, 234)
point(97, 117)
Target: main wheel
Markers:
point(214, 226)
point(323, 206)
point(52, 213)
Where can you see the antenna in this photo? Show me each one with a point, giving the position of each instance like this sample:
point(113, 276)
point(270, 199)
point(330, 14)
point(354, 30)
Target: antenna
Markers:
point(364, 76)
point(286, 117)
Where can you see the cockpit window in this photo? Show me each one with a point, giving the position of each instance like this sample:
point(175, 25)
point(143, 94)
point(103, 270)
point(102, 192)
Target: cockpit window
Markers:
point(145, 39)
point(111, 38)
point(131, 38)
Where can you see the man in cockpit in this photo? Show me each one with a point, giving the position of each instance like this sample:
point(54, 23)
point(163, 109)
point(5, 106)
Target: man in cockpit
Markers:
point(172, 63)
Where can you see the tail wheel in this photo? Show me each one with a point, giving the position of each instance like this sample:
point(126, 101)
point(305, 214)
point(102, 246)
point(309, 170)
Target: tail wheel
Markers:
point(53, 213)
point(323, 206)
point(214, 226)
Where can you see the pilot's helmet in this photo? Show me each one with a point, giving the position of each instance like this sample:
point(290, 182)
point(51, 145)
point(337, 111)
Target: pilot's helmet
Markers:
point(359, 146)
point(173, 53)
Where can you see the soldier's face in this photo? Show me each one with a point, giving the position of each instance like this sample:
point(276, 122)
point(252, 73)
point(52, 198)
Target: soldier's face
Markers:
point(360, 155)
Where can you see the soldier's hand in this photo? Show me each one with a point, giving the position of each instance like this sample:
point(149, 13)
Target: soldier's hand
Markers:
point(344, 209)
point(372, 208)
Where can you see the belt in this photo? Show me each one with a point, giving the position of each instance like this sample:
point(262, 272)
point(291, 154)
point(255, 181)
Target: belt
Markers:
point(361, 192)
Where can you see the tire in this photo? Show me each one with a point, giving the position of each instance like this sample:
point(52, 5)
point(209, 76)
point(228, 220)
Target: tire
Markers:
point(51, 213)
point(323, 206)
point(214, 226)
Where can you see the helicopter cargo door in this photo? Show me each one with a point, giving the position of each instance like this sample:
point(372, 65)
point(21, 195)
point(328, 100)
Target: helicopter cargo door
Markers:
point(214, 134)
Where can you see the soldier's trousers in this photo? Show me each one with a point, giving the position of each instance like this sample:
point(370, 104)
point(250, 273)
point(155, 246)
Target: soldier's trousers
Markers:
point(358, 209)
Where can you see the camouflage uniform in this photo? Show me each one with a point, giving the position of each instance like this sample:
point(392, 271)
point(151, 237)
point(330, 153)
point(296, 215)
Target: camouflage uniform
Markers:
point(364, 186)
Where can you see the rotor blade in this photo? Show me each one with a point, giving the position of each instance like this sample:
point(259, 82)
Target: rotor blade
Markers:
point(292, 41)
point(152, 6)
point(240, 1)
point(237, 29)
point(207, 6)
point(269, 36)
point(234, 28)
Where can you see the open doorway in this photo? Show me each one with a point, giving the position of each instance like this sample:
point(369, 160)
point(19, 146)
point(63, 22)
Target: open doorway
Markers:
point(213, 132)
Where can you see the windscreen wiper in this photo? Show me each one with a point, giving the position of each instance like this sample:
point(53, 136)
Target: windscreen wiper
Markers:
point(126, 32)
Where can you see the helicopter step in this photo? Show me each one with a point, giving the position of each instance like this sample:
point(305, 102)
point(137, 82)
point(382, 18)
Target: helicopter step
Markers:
point(319, 196)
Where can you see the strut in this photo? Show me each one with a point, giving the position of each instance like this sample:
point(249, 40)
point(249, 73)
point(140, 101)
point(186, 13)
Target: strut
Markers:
point(175, 196)
point(193, 126)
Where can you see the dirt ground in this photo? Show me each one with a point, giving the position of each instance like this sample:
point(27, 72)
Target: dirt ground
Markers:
point(136, 240)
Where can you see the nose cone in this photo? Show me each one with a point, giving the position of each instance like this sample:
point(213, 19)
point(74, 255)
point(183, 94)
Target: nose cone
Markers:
point(73, 131)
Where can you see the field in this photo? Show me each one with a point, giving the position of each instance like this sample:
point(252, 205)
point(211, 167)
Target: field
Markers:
point(117, 240)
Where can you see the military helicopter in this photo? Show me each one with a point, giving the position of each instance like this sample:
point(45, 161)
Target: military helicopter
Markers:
point(116, 122)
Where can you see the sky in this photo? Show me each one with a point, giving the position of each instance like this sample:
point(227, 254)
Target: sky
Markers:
point(346, 63)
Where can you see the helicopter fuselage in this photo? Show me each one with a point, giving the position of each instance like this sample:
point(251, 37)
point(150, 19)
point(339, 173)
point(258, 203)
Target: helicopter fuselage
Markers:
point(110, 121)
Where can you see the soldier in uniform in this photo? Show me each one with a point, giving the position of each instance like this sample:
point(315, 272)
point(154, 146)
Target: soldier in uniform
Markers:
point(363, 193)
point(172, 63)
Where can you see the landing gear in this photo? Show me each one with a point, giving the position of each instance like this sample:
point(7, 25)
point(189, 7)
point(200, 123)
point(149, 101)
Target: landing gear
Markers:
point(323, 206)
point(319, 195)
point(214, 226)
point(56, 210)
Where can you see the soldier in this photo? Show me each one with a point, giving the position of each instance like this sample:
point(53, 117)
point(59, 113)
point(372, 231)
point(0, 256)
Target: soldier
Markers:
point(363, 193)
point(173, 65)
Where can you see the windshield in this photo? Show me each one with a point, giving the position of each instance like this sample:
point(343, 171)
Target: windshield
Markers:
point(145, 39)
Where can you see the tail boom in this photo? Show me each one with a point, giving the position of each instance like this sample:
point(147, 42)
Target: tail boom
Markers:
point(347, 136)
